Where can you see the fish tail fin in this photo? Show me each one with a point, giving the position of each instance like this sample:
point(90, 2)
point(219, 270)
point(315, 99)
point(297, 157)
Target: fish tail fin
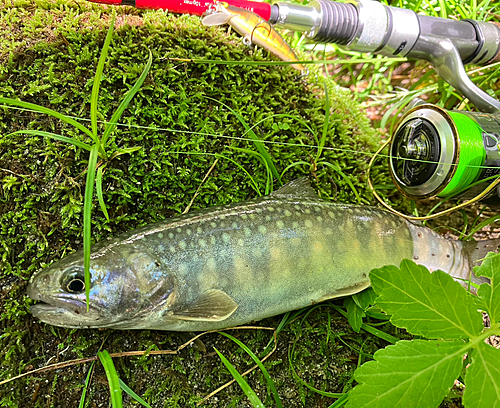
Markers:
point(476, 252)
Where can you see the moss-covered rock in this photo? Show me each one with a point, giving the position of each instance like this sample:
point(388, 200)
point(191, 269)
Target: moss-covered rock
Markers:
point(179, 121)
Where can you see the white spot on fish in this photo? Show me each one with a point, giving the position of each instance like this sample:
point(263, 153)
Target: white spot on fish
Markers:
point(213, 224)
point(331, 214)
point(202, 243)
point(248, 231)
point(182, 245)
point(172, 249)
point(244, 216)
point(280, 224)
point(171, 235)
point(268, 218)
point(178, 229)
point(308, 223)
point(295, 224)
point(275, 253)
point(262, 229)
point(288, 213)
point(211, 264)
point(297, 207)
point(199, 230)
point(271, 209)
point(225, 237)
point(320, 219)
point(212, 240)
point(307, 211)
point(234, 225)
point(188, 232)
point(241, 242)
point(160, 235)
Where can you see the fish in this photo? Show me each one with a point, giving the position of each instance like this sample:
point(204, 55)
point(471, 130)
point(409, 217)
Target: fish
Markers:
point(229, 265)
point(254, 30)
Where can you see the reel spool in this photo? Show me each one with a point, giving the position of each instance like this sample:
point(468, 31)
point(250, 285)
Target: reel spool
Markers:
point(435, 152)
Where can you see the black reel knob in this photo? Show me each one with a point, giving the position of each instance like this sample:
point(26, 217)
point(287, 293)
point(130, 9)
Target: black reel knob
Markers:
point(415, 152)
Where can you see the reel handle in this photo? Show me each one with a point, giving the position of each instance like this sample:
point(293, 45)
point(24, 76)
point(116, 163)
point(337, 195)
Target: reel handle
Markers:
point(369, 26)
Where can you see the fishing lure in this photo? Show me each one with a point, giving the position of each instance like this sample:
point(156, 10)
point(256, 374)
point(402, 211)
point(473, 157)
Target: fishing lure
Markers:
point(254, 30)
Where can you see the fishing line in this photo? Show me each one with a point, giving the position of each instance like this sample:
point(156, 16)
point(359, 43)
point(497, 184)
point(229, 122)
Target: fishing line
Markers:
point(472, 154)
point(270, 142)
point(477, 198)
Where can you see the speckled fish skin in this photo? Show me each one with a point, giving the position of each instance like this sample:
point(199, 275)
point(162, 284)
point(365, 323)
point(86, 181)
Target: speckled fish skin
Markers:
point(230, 265)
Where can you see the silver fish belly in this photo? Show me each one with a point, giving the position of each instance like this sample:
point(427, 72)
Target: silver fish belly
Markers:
point(229, 265)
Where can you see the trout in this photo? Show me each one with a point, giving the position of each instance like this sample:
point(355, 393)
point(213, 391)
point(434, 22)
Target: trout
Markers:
point(253, 29)
point(230, 265)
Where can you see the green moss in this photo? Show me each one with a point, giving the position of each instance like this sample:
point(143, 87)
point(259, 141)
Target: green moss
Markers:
point(180, 131)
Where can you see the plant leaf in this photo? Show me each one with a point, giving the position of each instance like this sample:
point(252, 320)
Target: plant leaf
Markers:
point(354, 314)
point(252, 396)
point(256, 140)
point(55, 136)
point(130, 392)
point(126, 100)
point(86, 386)
point(87, 221)
point(47, 111)
point(416, 373)
point(430, 305)
point(257, 361)
point(98, 186)
point(113, 380)
point(490, 293)
point(483, 378)
point(98, 76)
point(365, 298)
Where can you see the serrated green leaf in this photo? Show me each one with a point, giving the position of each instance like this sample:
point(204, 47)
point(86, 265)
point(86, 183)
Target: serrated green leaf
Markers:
point(365, 298)
point(416, 373)
point(354, 314)
point(425, 304)
point(490, 293)
point(483, 378)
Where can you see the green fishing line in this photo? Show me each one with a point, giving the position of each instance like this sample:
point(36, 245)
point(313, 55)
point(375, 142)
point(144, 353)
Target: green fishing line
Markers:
point(471, 157)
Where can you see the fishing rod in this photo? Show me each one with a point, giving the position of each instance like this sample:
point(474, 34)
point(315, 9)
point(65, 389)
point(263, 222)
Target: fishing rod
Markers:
point(433, 152)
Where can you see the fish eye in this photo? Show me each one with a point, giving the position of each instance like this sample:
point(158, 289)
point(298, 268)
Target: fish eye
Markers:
point(73, 281)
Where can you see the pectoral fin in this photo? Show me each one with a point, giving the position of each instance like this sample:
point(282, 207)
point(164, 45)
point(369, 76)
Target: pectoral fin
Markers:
point(213, 305)
point(216, 19)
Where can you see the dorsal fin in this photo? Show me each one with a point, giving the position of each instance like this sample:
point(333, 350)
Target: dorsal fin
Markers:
point(298, 188)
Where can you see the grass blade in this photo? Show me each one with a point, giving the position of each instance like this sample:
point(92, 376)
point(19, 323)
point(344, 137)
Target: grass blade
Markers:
point(111, 125)
point(47, 111)
point(55, 136)
point(325, 123)
point(98, 185)
point(130, 392)
point(347, 179)
point(270, 382)
point(87, 213)
point(258, 144)
point(86, 386)
point(113, 380)
point(252, 396)
point(98, 76)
